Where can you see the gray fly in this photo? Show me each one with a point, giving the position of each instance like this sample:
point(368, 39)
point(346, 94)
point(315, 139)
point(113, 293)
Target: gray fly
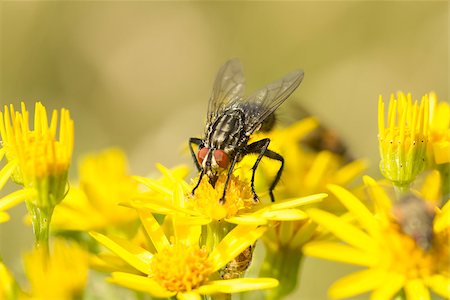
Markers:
point(233, 118)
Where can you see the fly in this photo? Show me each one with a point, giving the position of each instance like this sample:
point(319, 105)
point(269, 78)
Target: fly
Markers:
point(232, 119)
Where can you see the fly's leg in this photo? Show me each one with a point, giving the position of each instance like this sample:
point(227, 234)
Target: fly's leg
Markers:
point(198, 183)
point(260, 148)
point(230, 171)
point(198, 142)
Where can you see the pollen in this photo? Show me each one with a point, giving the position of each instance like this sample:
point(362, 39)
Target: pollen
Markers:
point(181, 268)
point(238, 198)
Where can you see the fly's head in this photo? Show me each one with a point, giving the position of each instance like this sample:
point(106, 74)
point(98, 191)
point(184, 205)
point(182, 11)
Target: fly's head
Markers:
point(213, 162)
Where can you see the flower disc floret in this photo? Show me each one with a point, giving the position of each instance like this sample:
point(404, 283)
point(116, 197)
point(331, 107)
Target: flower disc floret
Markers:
point(181, 269)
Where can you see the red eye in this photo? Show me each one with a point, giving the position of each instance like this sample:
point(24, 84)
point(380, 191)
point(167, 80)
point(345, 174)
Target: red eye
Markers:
point(202, 154)
point(221, 158)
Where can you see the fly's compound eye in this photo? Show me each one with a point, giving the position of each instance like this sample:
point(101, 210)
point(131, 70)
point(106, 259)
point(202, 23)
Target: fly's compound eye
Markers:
point(221, 158)
point(202, 154)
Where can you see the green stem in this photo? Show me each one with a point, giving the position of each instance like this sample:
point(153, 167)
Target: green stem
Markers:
point(40, 218)
point(284, 265)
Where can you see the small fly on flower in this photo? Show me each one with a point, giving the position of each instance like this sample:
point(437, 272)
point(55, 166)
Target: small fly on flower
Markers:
point(233, 118)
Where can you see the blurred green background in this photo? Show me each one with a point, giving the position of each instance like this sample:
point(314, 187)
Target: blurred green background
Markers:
point(138, 74)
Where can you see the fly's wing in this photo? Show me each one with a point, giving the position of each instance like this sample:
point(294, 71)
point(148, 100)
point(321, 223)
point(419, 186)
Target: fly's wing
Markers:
point(228, 88)
point(266, 100)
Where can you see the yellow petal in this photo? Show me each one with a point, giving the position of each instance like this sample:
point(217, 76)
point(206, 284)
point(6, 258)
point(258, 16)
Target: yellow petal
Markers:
point(344, 231)
point(350, 171)
point(440, 285)
point(140, 283)
point(416, 290)
point(237, 285)
point(136, 256)
point(153, 230)
point(236, 241)
point(356, 207)
point(285, 215)
point(153, 185)
point(16, 197)
point(357, 283)
point(378, 195)
point(339, 252)
point(188, 296)
point(296, 202)
point(186, 230)
point(6, 172)
point(393, 283)
point(157, 205)
point(3, 217)
point(247, 219)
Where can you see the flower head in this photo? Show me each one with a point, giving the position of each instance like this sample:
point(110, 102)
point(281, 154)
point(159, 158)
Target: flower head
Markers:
point(180, 266)
point(38, 159)
point(63, 275)
point(173, 196)
point(94, 204)
point(394, 258)
point(403, 141)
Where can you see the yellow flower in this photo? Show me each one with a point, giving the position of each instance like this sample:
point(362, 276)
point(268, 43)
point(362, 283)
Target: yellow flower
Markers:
point(173, 196)
point(37, 159)
point(94, 205)
point(8, 286)
point(179, 266)
point(403, 141)
point(394, 259)
point(439, 130)
point(62, 275)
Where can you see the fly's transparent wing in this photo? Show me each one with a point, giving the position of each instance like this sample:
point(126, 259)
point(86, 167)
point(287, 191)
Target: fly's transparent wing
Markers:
point(266, 100)
point(228, 88)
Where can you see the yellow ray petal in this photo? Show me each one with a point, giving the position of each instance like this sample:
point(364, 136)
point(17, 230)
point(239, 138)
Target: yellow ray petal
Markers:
point(343, 230)
point(392, 285)
point(185, 230)
point(236, 241)
point(416, 290)
point(16, 197)
point(158, 205)
point(140, 283)
point(303, 235)
point(153, 185)
point(349, 172)
point(296, 202)
point(136, 256)
point(247, 219)
point(285, 215)
point(6, 172)
point(356, 207)
point(339, 252)
point(357, 283)
point(237, 285)
point(188, 296)
point(153, 230)
point(378, 195)
point(440, 285)
point(3, 217)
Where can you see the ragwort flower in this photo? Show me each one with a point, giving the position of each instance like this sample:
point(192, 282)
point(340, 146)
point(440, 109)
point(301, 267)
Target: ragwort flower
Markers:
point(181, 266)
point(403, 141)
point(173, 196)
point(38, 160)
point(394, 259)
point(94, 204)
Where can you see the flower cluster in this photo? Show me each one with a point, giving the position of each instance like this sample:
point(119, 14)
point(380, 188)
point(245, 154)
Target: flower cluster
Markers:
point(153, 236)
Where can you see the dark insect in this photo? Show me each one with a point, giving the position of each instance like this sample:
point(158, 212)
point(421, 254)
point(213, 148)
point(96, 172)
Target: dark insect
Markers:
point(232, 119)
point(415, 217)
point(237, 266)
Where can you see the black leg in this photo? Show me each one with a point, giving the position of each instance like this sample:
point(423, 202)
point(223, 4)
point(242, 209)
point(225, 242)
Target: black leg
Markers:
point(230, 171)
point(198, 183)
point(198, 142)
point(260, 148)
